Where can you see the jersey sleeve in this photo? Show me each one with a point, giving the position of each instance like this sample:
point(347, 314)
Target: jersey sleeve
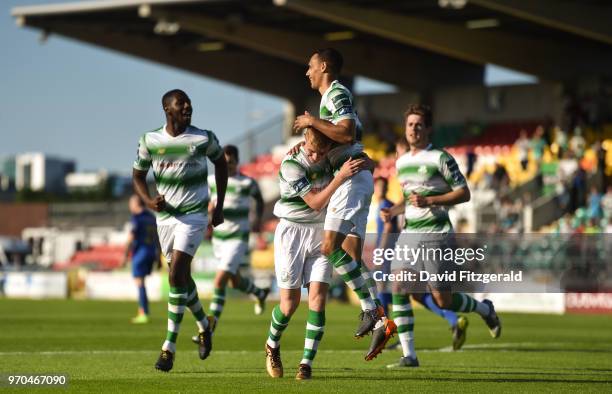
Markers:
point(451, 173)
point(340, 104)
point(296, 176)
point(213, 149)
point(143, 157)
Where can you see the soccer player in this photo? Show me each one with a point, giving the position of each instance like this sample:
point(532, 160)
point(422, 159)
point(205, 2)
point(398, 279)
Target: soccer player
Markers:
point(431, 182)
point(230, 239)
point(306, 185)
point(346, 218)
point(177, 152)
point(143, 244)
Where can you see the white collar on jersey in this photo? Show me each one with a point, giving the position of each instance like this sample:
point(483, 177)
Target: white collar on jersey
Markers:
point(331, 85)
point(428, 147)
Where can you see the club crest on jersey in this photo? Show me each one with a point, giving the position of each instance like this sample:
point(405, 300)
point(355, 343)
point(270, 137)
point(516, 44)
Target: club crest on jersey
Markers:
point(192, 149)
point(161, 151)
point(422, 170)
point(284, 276)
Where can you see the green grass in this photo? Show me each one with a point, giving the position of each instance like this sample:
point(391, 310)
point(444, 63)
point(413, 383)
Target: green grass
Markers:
point(96, 346)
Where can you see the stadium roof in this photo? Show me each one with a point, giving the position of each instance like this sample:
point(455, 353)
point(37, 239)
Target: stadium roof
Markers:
point(416, 45)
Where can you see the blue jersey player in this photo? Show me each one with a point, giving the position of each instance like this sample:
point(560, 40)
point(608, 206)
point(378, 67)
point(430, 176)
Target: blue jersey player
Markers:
point(143, 244)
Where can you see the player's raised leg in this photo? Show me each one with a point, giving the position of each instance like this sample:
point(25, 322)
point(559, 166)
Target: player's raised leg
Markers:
point(350, 271)
point(462, 302)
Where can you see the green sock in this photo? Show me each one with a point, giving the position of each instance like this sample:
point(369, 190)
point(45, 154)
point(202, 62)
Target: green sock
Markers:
point(277, 326)
point(351, 274)
point(195, 306)
point(217, 302)
point(177, 299)
point(314, 332)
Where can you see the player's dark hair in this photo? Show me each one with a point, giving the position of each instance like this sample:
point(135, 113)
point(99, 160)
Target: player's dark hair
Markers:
point(170, 94)
point(231, 150)
point(332, 58)
point(421, 110)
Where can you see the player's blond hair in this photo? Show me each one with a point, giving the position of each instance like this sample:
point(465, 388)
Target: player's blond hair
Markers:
point(318, 140)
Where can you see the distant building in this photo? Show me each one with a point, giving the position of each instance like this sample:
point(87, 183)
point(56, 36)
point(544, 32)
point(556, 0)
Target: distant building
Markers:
point(7, 174)
point(41, 173)
point(87, 181)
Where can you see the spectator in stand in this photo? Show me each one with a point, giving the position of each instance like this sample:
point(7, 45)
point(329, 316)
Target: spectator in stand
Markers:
point(560, 141)
point(606, 204)
point(501, 180)
point(471, 162)
point(577, 143)
point(522, 145)
point(578, 192)
point(538, 143)
point(595, 211)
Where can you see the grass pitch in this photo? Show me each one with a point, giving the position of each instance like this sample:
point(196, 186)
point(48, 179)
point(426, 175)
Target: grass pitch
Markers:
point(94, 343)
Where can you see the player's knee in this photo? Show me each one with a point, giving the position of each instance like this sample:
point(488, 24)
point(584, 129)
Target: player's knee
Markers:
point(442, 301)
point(234, 280)
point(327, 248)
point(289, 307)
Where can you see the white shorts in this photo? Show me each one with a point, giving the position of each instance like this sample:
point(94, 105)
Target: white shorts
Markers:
point(231, 253)
point(347, 212)
point(180, 236)
point(297, 255)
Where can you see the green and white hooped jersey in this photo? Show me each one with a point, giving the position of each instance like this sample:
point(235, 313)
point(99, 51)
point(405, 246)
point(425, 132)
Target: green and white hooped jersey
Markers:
point(336, 105)
point(429, 172)
point(240, 190)
point(180, 168)
point(298, 176)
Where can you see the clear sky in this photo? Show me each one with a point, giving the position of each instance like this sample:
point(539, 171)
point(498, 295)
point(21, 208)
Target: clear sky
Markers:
point(79, 101)
point(86, 103)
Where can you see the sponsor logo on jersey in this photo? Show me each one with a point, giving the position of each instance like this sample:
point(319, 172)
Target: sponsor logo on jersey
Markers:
point(345, 110)
point(300, 184)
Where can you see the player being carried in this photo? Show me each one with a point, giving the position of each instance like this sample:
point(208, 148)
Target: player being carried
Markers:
point(346, 218)
point(177, 152)
point(230, 239)
point(431, 182)
point(306, 185)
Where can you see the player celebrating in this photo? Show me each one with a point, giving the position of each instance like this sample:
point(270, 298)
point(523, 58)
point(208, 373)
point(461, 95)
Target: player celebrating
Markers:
point(346, 218)
point(306, 186)
point(431, 182)
point(143, 244)
point(177, 152)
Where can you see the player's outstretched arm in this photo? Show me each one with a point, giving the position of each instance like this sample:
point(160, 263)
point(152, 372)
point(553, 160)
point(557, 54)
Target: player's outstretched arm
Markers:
point(221, 182)
point(318, 201)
